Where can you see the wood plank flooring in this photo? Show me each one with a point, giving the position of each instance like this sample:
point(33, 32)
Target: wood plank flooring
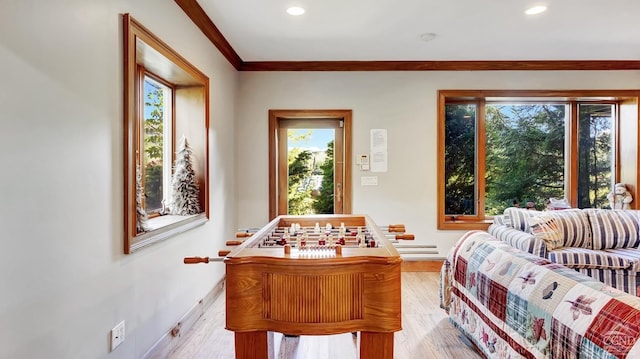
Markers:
point(426, 333)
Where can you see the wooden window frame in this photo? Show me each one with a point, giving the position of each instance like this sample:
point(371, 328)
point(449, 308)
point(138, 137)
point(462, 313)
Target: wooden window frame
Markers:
point(624, 152)
point(144, 53)
point(142, 73)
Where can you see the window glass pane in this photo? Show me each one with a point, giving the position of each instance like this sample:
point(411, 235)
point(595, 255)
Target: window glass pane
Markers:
point(460, 163)
point(595, 154)
point(156, 143)
point(524, 155)
point(311, 177)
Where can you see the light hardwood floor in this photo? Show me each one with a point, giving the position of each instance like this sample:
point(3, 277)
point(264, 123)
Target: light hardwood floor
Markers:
point(426, 333)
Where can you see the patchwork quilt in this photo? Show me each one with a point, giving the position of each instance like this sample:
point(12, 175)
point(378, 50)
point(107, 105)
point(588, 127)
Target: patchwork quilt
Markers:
point(512, 304)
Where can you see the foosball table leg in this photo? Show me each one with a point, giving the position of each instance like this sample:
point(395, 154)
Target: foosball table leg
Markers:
point(252, 345)
point(376, 345)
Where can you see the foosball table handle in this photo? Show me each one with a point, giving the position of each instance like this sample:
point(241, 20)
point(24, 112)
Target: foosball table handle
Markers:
point(396, 228)
point(196, 260)
point(409, 237)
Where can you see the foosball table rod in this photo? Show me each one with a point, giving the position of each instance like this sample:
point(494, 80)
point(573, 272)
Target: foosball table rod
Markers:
point(196, 260)
point(402, 246)
point(393, 228)
point(244, 234)
point(230, 243)
point(403, 236)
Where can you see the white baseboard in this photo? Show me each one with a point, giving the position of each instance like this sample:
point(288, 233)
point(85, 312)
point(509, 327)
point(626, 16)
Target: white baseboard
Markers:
point(173, 338)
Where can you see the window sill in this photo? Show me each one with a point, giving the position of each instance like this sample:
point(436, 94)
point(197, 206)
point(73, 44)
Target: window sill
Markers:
point(167, 220)
point(465, 225)
point(164, 227)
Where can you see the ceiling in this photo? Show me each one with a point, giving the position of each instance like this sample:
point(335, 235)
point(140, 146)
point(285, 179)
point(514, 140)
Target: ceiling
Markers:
point(391, 30)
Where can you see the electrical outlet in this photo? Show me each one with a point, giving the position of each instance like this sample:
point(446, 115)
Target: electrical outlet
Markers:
point(117, 335)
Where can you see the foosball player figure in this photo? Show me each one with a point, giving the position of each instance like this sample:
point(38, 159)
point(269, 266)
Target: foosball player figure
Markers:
point(341, 235)
point(361, 243)
point(285, 238)
point(323, 240)
point(372, 243)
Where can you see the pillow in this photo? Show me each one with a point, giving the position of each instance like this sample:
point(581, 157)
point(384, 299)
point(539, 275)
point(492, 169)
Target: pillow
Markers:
point(614, 228)
point(518, 217)
point(575, 227)
point(501, 220)
point(547, 228)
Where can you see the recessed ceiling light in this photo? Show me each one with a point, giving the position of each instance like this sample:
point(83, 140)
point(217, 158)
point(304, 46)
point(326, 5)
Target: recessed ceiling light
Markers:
point(536, 10)
point(295, 11)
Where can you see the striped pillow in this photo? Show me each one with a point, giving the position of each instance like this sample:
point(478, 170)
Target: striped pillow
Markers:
point(575, 227)
point(614, 228)
point(501, 220)
point(518, 217)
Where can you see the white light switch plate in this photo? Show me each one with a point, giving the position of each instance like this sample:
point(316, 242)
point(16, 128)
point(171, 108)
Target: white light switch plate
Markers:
point(369, 180)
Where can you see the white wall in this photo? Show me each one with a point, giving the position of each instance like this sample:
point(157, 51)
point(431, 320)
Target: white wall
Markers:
point(64, 280)
point(404, 103)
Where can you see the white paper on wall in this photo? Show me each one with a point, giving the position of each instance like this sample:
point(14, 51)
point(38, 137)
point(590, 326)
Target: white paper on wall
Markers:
point(378, 158)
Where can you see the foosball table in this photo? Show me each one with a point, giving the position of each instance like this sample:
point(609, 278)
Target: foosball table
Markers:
point(313, 275)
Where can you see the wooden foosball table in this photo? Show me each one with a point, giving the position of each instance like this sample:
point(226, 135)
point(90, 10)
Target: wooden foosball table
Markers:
point(313, 275)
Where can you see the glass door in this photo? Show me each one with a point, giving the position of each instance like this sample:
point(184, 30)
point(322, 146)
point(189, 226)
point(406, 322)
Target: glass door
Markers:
point(307, 166)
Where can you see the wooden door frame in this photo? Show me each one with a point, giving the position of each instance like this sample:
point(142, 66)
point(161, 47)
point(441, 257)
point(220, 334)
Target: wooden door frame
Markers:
point(275, 116)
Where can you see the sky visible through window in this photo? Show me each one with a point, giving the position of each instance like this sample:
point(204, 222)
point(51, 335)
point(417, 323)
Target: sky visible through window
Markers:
point(149, 87)
point(316, 141)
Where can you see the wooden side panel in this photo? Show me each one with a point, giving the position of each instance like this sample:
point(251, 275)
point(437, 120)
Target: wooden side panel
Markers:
point(313, 298)
point(383, 298)
point(298, 300)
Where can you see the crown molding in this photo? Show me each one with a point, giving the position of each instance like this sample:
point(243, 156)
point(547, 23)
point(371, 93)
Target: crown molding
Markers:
point(527, 65)
point(193, 10)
